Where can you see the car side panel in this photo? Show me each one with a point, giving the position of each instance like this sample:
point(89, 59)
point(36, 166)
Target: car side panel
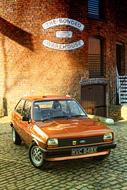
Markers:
point(26, 131)
point(16, 121)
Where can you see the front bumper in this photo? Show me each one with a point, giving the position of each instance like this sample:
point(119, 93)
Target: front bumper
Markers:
point(106, 146)
point(66, 153)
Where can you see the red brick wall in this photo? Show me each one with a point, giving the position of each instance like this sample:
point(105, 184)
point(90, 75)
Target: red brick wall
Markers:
point(31, 68)
point(28, 67)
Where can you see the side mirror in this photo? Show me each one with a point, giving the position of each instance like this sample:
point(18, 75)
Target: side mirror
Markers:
point(25, 118)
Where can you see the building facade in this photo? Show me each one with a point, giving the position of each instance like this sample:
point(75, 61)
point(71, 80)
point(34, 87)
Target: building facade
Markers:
point(63, 47)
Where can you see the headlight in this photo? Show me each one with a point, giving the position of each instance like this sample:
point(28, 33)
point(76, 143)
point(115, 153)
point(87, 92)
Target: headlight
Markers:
point(52, 142)
point(108, 136)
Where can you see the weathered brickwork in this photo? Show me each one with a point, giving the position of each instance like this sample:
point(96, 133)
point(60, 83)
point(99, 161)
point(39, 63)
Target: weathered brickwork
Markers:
point(29, 68)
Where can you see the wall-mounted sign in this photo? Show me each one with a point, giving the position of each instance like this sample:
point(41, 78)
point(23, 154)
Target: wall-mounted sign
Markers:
point(63, 21)
point(63, 34)
point(70, 46)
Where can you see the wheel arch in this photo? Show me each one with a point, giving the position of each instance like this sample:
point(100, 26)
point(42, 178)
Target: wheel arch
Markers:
point(34, 141)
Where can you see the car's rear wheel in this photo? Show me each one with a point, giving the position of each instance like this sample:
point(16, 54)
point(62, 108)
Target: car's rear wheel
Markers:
point(36, 156)
point(15, 137)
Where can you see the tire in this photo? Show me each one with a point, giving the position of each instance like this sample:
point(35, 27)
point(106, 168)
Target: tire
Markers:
point(36, 156)
point(101, 158)
point(15, 137)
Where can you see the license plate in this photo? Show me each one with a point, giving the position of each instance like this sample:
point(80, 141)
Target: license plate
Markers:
point(83, 150)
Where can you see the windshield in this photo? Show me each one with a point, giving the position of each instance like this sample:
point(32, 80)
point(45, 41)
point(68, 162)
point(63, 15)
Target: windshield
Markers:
point(50, 109)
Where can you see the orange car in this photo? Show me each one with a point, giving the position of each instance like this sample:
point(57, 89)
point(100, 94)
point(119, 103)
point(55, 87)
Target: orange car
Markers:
point(57, 128)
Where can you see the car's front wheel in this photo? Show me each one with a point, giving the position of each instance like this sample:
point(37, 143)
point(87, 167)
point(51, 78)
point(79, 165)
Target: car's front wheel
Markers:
point(36, 156)
point(15, 137)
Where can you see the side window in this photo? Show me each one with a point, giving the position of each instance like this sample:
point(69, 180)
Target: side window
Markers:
point(19, 107)
point(27, 109)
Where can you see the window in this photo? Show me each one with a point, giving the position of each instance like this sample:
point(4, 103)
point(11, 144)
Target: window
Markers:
point(27, 109)
point(53, 109)
point(95, 57)
point(120, 58)
point(19, 106)
point(95, 9)
point(74, 109)
point(121, 11)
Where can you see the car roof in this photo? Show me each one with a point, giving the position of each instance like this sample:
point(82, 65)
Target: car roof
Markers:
point(39, 98)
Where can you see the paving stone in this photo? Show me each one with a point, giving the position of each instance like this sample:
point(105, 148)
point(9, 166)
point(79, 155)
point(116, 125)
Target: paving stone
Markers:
point(17, 173)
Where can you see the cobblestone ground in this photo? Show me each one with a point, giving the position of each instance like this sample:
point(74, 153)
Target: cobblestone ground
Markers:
point(17, 173)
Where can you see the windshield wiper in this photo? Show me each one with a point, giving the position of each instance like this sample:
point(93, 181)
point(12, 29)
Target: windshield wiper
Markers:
point(46, 119)
point(50, 118)
point(62, 116)
point(78, 116)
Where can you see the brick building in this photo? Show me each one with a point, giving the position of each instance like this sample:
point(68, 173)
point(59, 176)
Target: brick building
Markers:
point(63, 47)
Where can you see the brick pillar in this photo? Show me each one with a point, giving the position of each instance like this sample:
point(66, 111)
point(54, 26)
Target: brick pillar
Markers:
point(3, 81)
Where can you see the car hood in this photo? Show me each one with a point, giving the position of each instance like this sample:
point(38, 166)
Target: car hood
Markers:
point(68, 128)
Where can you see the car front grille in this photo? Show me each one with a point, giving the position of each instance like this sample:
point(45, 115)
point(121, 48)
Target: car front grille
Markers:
point(80, 141)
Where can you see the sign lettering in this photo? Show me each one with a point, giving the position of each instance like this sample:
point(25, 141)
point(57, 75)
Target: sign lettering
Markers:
point(70, 46)
point(63, 21)
point(63, 34)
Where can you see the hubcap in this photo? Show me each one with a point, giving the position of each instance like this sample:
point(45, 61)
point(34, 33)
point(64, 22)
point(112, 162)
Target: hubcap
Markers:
point(36, 155)
point(13, 135)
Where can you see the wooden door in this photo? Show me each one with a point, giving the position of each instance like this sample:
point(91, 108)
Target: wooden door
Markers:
point(93, 99)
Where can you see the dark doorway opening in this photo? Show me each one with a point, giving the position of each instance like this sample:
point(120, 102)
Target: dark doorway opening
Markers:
point(120, 58)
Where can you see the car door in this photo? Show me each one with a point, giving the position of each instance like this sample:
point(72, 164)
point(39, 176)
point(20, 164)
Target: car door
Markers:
point(26, 125)
point(17, 116)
